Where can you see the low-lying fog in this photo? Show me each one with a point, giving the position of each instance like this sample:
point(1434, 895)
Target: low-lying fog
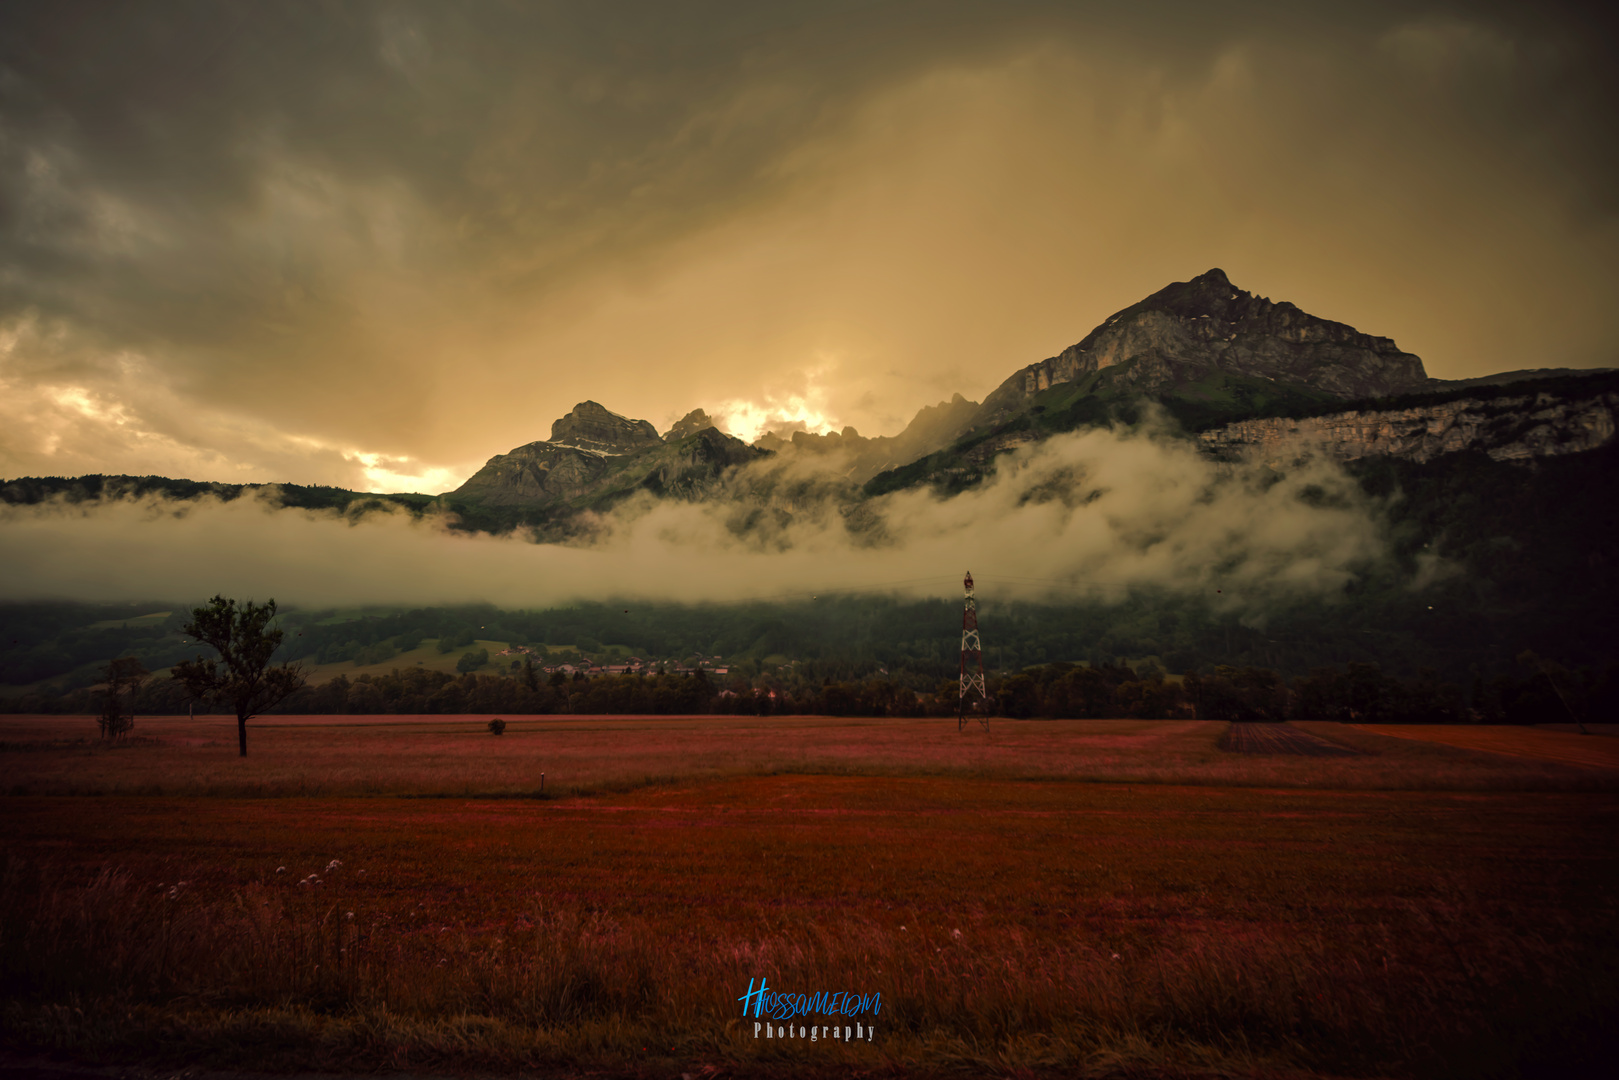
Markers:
point(1093, 512)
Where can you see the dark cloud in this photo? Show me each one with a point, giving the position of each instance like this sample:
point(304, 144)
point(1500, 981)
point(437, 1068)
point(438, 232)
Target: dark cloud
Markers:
point(273, 237)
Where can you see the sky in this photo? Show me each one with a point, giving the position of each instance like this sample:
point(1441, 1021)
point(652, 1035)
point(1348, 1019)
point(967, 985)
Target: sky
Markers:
point(374, 244)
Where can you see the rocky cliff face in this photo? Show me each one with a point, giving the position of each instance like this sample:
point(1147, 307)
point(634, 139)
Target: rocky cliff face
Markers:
point(591, 427)
point(538, 474)
point(594, 454)
point(1506, 428)
point(1181, 333)
point(695, 465)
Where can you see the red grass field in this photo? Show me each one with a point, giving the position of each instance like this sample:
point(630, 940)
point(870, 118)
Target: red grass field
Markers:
point(415, 755)
point(1018, 915)
point(1595, 751)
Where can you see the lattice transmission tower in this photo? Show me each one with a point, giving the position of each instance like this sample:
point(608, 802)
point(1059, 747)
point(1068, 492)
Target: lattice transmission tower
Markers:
point(972, 662)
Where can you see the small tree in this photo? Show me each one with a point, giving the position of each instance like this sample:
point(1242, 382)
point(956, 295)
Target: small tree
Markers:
point(242, 676)
point(123, 676)
point(497, 726)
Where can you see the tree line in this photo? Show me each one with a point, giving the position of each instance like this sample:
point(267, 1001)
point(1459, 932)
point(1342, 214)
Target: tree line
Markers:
point(1540, 692)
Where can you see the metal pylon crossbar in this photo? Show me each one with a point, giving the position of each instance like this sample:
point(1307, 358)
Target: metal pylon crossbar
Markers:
point(973, 691)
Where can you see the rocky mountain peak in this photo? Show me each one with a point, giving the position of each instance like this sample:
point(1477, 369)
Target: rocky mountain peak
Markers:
point(594, 427)
point(690, 424)
point(1190, 331)
point(596, 457)
point(1236, 314)
point(1212, 287)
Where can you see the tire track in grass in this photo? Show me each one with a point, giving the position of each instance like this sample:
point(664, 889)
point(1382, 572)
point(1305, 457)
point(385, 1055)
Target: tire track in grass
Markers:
point(1280, 739)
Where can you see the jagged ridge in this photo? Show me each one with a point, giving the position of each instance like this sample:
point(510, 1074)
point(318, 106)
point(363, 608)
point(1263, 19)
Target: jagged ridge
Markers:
point(594, 458)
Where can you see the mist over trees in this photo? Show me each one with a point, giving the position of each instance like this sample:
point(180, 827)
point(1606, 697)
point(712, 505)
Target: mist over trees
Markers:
point(1488, 562)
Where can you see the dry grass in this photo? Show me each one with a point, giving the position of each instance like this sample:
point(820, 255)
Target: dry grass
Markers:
point(1371, 932)
point(1015, 921)
point(423, 755)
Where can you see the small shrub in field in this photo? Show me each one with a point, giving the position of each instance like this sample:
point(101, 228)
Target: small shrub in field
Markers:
point(497, 726)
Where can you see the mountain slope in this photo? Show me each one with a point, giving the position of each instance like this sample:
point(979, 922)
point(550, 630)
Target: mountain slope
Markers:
point(1217, 358)
point(1513, 421)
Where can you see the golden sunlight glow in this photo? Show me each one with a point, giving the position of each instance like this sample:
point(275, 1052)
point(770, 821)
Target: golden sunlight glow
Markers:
point(79, 400)
point(747, 420)
point(388, 475)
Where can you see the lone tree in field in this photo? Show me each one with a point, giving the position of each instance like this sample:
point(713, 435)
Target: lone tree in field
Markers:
point(242, 676)
point(123, 676)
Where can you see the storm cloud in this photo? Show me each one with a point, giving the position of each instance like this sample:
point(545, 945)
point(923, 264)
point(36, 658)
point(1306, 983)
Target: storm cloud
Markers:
point(373, 244)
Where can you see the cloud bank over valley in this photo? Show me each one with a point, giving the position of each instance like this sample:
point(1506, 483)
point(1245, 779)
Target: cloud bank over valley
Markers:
point(1094, 513)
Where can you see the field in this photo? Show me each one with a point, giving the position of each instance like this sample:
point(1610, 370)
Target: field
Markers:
point(1047, 898)
point(1562, 745)
point(1253, 738)
point(455, 755)
point(153, 618)
point(425, 655)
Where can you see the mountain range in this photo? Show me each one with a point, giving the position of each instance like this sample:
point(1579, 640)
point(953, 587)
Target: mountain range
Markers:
point(1498, 498)
point(1233, 368)
point(1239, 372)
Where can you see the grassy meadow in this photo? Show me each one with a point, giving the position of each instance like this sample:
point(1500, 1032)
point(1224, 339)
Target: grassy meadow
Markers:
point(1045, 898)
point(425, 655)
point(585, 755)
